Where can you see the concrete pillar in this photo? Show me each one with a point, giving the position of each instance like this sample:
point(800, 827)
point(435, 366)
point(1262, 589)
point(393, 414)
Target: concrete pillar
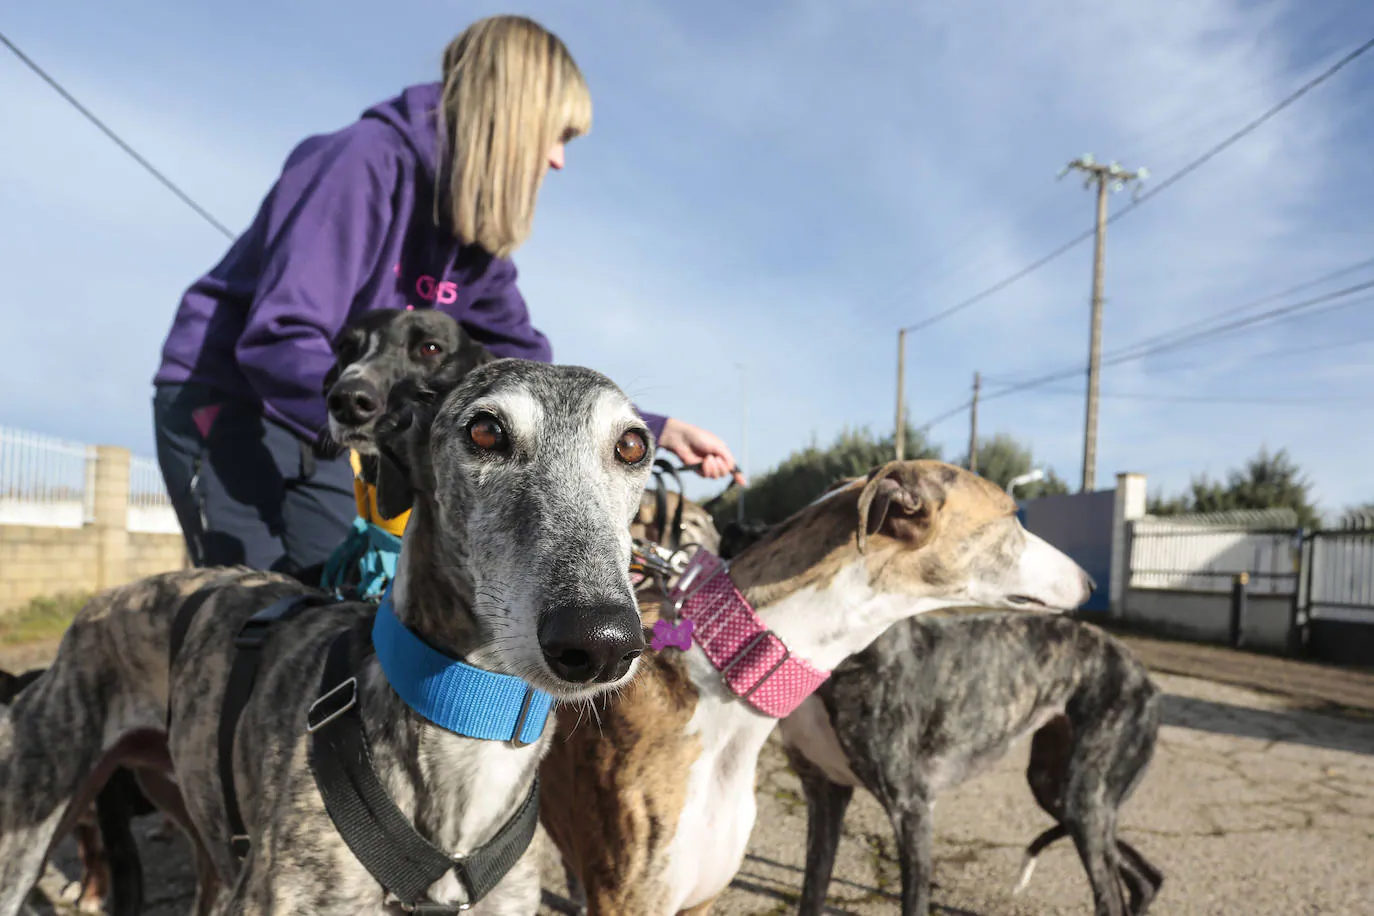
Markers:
point(111, 511)
point(1130, 505)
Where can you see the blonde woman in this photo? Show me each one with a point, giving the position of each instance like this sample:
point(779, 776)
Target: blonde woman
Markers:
point(417, 204)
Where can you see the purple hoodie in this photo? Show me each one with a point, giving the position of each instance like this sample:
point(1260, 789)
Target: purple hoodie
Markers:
point(349, 227)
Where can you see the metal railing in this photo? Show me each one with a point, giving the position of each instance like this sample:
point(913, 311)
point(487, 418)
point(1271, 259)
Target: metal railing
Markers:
point(1207, 558)
point(45, 481)
point(1339, 580)
point(150, 508)
point(146, 488)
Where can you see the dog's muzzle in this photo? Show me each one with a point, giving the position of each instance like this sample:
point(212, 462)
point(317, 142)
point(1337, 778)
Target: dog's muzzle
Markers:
point(355, 402)
point(591, 644)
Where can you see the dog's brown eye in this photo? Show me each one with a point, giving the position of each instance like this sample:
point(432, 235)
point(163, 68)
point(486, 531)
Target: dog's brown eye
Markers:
point(632, 447)
point(486, 433)
point(431, 349)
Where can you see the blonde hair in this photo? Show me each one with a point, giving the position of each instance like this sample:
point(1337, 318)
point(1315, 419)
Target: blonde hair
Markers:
point(511, 91)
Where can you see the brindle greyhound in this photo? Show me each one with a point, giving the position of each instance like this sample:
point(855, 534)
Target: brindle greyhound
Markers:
point(658, 797)
point(934, 702)
point(111, 870)
point(523, 479)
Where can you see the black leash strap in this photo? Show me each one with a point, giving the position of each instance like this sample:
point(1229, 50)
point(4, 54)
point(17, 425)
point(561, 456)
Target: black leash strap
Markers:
point(248, 645)
point(379, 834)
point(710, 504)
point(668, 532)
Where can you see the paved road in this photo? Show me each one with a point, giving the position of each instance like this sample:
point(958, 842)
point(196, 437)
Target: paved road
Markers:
point(1255, 804)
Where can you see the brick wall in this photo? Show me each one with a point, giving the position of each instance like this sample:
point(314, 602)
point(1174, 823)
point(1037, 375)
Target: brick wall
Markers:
point(35, 562)
point(41, 561)
point(150, 554)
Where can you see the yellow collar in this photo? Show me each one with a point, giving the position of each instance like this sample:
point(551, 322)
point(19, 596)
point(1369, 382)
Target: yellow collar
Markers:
point(365, 496)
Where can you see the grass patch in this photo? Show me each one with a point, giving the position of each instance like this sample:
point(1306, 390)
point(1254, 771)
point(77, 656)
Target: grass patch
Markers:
point(40, 619)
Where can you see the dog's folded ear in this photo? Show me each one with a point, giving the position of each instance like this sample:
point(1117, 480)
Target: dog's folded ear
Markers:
point(900, 501)
point(468, 355)
point(474, 354)
point(402, 434)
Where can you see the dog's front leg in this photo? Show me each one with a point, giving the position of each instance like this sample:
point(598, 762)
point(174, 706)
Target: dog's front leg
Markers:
point(826, 803)
point(911, 824)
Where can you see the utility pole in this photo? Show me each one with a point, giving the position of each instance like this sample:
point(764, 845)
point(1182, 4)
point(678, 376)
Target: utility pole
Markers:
point(901, 391)
point(973, 425)
point(1114, 177)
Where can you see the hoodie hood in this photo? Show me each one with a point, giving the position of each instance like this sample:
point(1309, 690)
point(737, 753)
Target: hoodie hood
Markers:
point(414, 114)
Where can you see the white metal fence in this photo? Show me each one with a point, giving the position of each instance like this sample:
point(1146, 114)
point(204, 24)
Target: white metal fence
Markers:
point(150, 508)
point(1340, 578)
point(1200, 555)
point(45, 481)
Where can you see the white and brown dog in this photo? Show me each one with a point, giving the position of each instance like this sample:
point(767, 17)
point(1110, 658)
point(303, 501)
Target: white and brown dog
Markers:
point(657, 799)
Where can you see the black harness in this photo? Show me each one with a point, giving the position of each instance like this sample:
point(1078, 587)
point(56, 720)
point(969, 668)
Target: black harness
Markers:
point(378, 833)
point(669, 531)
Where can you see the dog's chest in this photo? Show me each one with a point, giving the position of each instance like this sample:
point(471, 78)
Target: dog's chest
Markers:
point(809, 731)
point(719, 810)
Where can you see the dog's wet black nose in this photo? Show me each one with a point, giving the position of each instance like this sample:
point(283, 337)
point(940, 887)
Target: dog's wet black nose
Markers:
point(1089, 583)
point(355, 402)
point(591, 643)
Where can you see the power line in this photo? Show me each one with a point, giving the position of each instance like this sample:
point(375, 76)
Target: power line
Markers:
point(1193, 338)
point(1241, 323)
point(940, 418)
point(1315, 348)
point(1287, 311)
point(1166, 335)
point(1177, 333)
point(1220, 399)
point(1003, 284)
point(119, 141)
point(1173, 179)
point(1251, 127)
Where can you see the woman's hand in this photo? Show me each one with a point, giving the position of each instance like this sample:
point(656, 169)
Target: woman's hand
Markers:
point(695, 446)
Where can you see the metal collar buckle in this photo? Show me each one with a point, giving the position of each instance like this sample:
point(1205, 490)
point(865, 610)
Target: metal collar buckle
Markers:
point(692, 582)
point(743, 653)
point(515, 739)
point(341, 704)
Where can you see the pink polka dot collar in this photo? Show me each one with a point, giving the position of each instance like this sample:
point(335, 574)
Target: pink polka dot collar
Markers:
point(755, 663)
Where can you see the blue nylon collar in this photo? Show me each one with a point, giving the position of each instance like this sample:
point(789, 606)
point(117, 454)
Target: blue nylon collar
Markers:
point(452, 694)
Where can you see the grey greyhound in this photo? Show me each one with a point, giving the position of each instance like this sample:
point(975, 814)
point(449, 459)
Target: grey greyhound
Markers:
point(935, 701)
point(522, 479)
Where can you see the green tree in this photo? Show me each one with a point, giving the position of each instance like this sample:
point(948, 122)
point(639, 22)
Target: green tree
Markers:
point(1001, 458)
point(1268, 481)
point(1159, 504)
point(808, 472)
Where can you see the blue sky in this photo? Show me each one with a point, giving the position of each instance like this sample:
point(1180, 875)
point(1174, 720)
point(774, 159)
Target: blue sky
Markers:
point(778, 185)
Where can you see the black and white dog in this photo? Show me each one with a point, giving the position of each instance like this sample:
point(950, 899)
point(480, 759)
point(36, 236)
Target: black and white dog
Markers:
point(381, 349)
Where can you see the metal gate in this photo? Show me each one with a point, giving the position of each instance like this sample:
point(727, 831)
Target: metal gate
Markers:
point(1336, 601)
